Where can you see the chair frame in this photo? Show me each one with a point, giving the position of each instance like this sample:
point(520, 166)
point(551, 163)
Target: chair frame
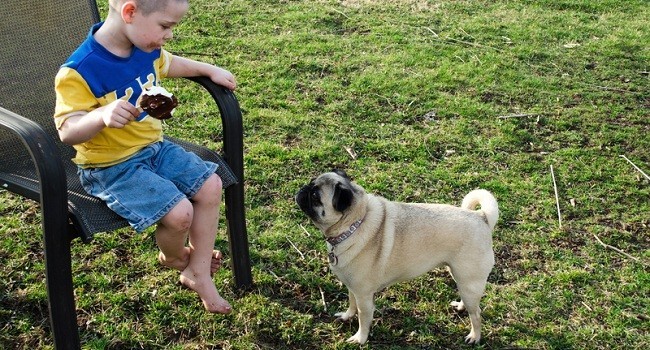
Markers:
point(58, 224)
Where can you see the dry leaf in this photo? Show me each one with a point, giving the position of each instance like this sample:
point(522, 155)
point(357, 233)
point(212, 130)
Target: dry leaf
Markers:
point(351, 152)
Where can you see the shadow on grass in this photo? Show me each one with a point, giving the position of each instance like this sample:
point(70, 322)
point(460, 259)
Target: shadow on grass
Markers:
point(19, 316)
point(393, 327)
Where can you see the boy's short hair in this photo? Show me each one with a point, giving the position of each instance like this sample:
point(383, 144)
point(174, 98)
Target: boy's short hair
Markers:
point(146, 6)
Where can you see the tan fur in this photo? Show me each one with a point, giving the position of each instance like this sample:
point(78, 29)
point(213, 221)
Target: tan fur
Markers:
point(400, 241)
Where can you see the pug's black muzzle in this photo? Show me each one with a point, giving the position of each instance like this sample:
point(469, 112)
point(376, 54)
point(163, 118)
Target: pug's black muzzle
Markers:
point(306, 198)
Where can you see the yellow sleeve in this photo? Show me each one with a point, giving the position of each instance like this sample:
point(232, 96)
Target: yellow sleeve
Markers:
point(73, 96)
point(163, 63)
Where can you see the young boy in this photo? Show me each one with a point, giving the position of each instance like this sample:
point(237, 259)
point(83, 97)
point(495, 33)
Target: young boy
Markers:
point(121, 154)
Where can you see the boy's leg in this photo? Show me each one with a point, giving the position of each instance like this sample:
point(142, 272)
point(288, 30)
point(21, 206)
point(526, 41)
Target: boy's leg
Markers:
point(198, 216)
point(171, 235)
point(202, 235)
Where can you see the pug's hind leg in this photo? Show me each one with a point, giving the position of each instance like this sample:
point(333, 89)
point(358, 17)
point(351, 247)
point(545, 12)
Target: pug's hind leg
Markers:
point(471, 287)
point(352, 309)
point(474, 335)
point(470, 295)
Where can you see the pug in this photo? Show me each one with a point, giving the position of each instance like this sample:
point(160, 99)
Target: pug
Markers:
point(373, 243)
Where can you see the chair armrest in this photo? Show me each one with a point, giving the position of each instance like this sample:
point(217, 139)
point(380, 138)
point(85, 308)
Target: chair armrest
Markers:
point(46, 158)
point(54, 211)
point(233, 149)
point(231, 118)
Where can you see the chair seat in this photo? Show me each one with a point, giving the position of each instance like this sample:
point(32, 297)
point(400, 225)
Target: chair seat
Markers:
point(88, 214)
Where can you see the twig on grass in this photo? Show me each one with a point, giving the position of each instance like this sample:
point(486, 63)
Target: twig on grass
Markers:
point(449, 40)
point(472, 44)
point(322, 298)
point(351, 152)
point(607, 88)
point(274, 275)
point(520, 115)
point(557, 198)
point(387, 100)
point(302, 256)
point(341, 13)
point(614, 248)
point(432, 32)
point(466, 33)
point(304, 229)
point(196, 53)
point(636, 167)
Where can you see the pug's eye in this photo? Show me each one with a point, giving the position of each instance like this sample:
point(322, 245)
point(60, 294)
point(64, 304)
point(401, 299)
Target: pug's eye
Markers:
point(314, 195)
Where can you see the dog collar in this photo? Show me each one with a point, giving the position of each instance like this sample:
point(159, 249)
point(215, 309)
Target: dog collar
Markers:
point(345, 235)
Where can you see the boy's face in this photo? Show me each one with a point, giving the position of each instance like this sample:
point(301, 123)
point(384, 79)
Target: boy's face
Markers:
point(150, 32)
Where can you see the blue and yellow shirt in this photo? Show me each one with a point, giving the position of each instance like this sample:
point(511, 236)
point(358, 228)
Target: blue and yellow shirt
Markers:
point(93, 77)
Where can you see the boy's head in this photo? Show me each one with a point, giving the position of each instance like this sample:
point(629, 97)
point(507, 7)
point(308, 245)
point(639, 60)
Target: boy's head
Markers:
point(147, 7)
point(147, 24)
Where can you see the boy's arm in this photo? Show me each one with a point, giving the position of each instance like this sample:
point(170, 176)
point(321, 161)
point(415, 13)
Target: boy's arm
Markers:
point(83, 126)
point(77, 117)
point(184, 67)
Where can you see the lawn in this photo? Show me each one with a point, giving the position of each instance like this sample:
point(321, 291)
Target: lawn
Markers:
point(544, 103)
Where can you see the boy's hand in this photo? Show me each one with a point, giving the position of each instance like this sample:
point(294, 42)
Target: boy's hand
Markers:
point(223, 77)
point(185, 67)
point(119, 113)
point(81, 127)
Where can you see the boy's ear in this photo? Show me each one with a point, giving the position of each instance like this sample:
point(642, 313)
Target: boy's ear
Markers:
point(127, 11)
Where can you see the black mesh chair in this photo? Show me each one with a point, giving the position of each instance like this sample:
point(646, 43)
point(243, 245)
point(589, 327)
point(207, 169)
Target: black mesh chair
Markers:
point(35, 39)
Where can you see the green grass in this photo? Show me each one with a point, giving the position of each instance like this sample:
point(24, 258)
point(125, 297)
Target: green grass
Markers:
point(417, 90)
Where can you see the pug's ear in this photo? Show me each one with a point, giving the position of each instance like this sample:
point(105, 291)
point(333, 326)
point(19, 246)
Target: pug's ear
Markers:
point(342, 198)
point(341, 173)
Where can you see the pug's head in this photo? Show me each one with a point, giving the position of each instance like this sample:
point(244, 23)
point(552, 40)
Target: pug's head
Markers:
point(329, 198)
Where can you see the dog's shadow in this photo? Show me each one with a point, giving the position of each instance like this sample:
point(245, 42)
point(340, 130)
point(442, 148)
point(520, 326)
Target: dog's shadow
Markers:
point(317, 292)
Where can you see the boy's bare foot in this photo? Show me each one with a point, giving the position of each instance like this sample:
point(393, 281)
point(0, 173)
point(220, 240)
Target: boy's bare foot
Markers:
point(181, 264)
point(207, 291)
point(176, 263)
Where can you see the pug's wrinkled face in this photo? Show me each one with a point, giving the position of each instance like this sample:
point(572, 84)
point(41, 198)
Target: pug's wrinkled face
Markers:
point(326, 198)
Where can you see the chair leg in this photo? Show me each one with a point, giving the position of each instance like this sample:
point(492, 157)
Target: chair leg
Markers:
point(58, 274)
point(238, 237)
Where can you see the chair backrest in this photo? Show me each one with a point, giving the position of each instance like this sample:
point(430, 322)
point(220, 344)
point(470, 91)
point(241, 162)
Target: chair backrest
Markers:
point(36, 37)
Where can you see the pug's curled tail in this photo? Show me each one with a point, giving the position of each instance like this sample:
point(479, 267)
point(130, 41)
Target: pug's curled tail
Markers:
point(488, 204)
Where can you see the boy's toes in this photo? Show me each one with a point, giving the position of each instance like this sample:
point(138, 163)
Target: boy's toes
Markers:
point(220, 307)
point(217, 261)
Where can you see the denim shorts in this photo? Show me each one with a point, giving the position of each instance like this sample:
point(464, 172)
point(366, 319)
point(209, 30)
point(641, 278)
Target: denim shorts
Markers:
point(148, 185)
